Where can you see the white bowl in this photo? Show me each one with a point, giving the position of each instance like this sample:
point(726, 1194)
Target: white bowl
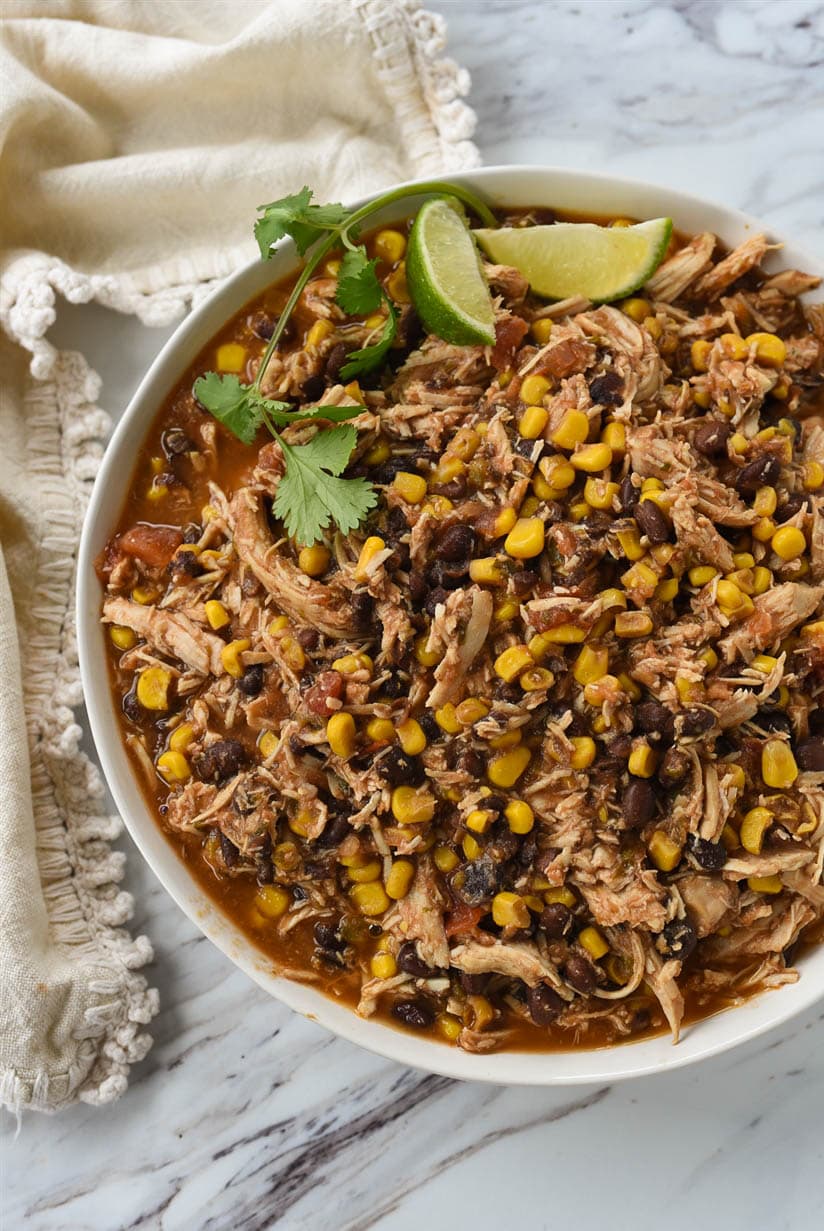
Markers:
point(514, 186)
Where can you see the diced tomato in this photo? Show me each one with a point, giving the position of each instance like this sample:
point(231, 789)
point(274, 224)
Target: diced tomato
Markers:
point(154, 545)
point(509, 334)
point(462, 919)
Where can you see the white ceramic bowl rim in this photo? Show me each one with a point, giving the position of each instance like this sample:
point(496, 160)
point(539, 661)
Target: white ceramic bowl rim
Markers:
point(511, 186)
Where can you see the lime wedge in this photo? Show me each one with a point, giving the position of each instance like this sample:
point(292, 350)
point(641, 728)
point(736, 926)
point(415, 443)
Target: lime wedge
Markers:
point(445, 279)
point(580, 258)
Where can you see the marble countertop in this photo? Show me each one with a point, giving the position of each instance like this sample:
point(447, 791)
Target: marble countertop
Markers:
point(246, 1116)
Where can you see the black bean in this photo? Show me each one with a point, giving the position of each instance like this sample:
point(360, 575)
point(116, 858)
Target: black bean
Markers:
point(791, 506)
point(410, 328)
point(620, 747)
point(628, 495)
point(250, 586)
point(607, 390)
point(712, 436)
point(400, 769)
point(394, 686)
point(526, 447)
point(262, 326)
point(334, 362)
point(556, 920)
point(709, 855)
point(411, 964)
point(456, 543)
point(327, 937)
point(480, 881)
point(696, 720)
point(503, 844)
point(678, 940)
point(132, 707)
point(774, 720)
point(251, 682)
point(523, 581)
point(220, 760)
point(674, 767)
point(473, 985)
point(418, 588)
point(652, 522)
point(761, 471)
point(528, 851)
point(184, 564)
point(434, 598)
point(363, 606)
point(447, 574)
point(544, 1004)
point(191, 533)
point(174, 441)
point(265, 871)
point(638, 803)
point(228, 851)
point(429, 726)
point(579, 974)
point(312, 388)
point(471, 762)
point(416, 1013)
point(308, 638)
point(809, 754)
point(656, 720)
point(335, 830)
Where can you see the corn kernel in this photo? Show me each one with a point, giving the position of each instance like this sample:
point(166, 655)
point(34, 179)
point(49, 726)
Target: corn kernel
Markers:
point(445, 859)
point(534, 679)
point(348, 664)
point(637, 309)
point(293, 654)
point(512, 662)
point(709, 657)
point(506, 610)
point(272, 901)
point(508, 740)
point(533, 389)
point(753, 827)
point(815, 629)
point(701, 398)
point(504, 522)
point(688, 690)
point(231, 357)
point(653, 326)
point(666, 591)
point(365, 872)
point(591, 458)
point(181, 737)
point(506, 769)
point(479, 820)
point(765, 884)
point(563, 634)
point(729, 596)
point(640, 576)
point(541, 330)
point(562, 894)
point(702, 575)
point(378, 454)
point(592, 940)
point(157, 491)
point(486, 571)
point(778, 766)
point(410, 487)
point(447, 719)
point(526, 538)
point(736, 774)
point(510, 910)
point(700, 355)
point(396, 284)
point(572, 430)
point(383, 965)
point(769, 349)
point(153, 688)
point(600, 493)
point(633, 624)
point(471, 710)
point(314, 561)
point(812, 476)
point(447, 469)
point(532, 422)
point(370, 899)
point(216, 614)
point(412, 738)
point(427, 658)
point(471, 847)
point(278, 625)
point(121, 637)
point(465, 443)
point(520, 816)
point(230, 656)
point(399, 881)
point(734, 347)
point(143, 595)
point(788, 542)
point(591, 664)
point(663, 852)
point(411, 806)
point(318, 333)
point(340, 734)
point(630, 543)
point(173, 766)
point(763, 530)
point(449, 1026)
point(389, 246)
point(371, 548)
point(642, 761)
point(583, 751)
point(268, 744)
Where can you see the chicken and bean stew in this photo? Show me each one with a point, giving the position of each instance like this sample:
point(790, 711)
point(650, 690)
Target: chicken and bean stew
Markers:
point(534, 756)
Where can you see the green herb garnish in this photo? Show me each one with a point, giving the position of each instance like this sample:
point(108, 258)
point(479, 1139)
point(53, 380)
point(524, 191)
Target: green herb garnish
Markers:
point(311, 494)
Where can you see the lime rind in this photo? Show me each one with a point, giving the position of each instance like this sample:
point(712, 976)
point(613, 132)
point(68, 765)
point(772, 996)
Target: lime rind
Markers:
point(566, 259)
point(445, 277)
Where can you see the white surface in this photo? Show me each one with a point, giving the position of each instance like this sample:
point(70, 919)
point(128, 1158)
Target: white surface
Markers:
point(515, 186)
point(244, 1115)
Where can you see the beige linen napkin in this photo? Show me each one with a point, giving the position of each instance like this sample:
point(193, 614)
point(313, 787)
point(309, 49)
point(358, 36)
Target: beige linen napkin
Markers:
point(136, 140)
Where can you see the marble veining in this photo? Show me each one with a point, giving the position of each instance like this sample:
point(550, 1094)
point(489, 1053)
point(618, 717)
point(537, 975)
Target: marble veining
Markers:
point(245, 1116)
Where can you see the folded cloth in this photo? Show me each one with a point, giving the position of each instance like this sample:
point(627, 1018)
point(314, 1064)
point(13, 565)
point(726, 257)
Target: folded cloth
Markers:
point(136, 141)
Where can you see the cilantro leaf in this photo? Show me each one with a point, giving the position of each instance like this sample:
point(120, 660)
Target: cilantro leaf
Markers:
point(230, 403)
point(242, 409)
point(294, 215)
point(310, 495)
point(370, 357)
point(359, 291)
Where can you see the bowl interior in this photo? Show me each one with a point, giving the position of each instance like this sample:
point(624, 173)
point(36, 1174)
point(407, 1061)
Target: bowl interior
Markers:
point(513, 186)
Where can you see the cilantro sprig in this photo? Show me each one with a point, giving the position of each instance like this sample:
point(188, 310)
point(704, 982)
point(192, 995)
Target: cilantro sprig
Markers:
point(311, 494)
